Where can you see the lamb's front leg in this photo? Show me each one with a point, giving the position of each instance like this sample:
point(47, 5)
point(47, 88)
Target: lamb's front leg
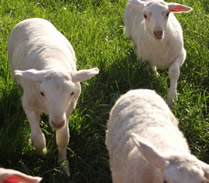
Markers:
point(63, 136)
point(37, 136)
point(62, 139)
point(174, 73)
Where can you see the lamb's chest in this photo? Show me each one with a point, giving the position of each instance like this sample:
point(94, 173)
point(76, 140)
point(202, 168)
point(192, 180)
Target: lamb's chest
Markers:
point(160, 56)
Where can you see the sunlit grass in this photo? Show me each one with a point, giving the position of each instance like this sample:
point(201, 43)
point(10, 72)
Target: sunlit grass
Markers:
point(95, 29)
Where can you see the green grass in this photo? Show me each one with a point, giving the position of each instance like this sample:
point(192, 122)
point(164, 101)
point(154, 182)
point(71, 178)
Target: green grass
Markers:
point(95, 29)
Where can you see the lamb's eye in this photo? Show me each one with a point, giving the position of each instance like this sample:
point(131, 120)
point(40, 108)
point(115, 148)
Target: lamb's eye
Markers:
point(72, 94)
point(42, 93)
point(167, 14)
point(145, 16)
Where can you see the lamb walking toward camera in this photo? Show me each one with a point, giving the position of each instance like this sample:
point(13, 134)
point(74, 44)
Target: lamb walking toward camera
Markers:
point(145, 144)
point(158, 36)
point(43, 63)
point(14, 176)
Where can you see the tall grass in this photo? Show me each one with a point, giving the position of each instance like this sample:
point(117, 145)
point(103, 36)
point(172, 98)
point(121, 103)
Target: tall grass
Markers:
point(95, 29)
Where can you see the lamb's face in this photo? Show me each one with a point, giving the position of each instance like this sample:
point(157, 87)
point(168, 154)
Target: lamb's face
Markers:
point(184, 170)
point(156, 17)
point(57, 91)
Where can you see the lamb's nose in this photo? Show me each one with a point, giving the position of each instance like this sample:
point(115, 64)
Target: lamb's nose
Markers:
point(158, 34)
point(58, 124)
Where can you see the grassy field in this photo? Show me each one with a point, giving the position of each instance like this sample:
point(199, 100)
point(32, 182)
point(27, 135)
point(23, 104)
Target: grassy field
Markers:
point(96, 31)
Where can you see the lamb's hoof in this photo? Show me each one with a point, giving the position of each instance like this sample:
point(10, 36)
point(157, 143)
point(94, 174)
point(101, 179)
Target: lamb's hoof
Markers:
point(171, 101)
point(44, 152)
point(41, 152)
point(65, 166)
point(156, 74)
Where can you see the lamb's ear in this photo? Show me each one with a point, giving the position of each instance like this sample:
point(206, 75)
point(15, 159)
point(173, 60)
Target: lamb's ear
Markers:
point(31, 74)
point(138, 4)
point(83, 75)
point(21, 179)
point(178, 8)
point(149, 152)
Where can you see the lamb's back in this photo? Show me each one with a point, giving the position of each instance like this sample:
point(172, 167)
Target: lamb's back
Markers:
point(36, 43)
point(141, 112)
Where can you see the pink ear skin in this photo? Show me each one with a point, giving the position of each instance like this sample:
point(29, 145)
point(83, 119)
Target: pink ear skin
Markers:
point(18, 179)
point(178, 8)
point(12, 179)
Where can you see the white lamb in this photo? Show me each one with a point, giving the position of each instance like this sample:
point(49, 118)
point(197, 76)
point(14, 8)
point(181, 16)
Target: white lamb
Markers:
point(14, 176)
point(43, 63)
point(158, 36)
point(145, 144)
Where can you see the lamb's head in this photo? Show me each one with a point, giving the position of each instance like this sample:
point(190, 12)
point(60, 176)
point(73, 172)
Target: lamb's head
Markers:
point(156, 14)
point(58, 89)
point(184, 168)
point(175, 169)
